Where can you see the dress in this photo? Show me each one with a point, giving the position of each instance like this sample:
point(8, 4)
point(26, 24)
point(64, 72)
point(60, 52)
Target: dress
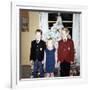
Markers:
point(50, 60)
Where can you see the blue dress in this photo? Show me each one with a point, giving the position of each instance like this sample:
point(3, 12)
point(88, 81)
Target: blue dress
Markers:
point(50, 60)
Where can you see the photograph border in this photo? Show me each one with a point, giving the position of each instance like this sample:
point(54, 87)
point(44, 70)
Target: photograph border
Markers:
point(15, 43)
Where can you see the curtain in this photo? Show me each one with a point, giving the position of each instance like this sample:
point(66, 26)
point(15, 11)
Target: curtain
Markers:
point(43, 23)
point(76, 36)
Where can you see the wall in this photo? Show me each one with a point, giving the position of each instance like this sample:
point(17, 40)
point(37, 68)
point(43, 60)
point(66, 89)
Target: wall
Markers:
point(27, 37)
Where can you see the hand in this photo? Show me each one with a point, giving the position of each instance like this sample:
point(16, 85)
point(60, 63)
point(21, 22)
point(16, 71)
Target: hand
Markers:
point(31, 62)
point(71, 62)
point(43, 62)
point(57, 64)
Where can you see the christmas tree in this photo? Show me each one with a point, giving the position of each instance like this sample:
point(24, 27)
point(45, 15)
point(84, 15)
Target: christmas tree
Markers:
point(54, 32)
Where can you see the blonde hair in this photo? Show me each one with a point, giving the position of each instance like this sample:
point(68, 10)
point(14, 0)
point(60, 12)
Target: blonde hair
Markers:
point(50, 39)
point(67, 31)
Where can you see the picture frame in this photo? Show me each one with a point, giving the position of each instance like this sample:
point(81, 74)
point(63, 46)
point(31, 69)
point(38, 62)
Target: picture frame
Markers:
point(24, 21)
point(15, 43)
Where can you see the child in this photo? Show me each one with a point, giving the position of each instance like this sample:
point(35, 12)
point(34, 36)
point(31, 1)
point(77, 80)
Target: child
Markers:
point(65, 52)
point(37, 54)
point(50, 58)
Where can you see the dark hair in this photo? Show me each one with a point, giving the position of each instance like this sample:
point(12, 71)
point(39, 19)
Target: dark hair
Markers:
point(38, 30)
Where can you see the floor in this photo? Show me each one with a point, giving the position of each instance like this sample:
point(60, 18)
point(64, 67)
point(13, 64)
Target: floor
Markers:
point(26, 71)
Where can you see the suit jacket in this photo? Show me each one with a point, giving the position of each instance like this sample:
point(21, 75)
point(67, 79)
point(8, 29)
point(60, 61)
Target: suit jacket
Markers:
point(66, 50)
point(37, 50)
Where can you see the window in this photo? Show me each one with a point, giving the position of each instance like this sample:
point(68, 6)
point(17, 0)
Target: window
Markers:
point(67, 19)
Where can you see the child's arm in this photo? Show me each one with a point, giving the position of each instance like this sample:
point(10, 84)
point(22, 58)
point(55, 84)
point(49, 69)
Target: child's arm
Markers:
point(72, 50)
point(56, 55)
point(31, 54)
point(44, 61)
point(56, 59)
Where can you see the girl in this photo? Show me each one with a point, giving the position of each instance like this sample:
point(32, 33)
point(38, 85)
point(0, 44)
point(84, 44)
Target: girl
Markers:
point(50, 58)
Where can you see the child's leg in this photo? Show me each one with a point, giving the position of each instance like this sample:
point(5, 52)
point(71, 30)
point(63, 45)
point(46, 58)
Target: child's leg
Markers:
point(41, 71)
point(52, 74)
point(35, 69)
point(48, 75)
point(65, 69)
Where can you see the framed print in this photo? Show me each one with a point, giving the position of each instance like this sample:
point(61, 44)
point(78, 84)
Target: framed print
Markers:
point(24, 17)
point(48, 44)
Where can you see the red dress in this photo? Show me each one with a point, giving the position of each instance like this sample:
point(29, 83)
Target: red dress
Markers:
point(66, 50)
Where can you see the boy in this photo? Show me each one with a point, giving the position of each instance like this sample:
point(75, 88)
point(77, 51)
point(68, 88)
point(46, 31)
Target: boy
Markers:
point(65, 52)
point(37, 54)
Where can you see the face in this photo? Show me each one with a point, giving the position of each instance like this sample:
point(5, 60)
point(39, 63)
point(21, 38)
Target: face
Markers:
point(38, 35)
point(64, 34)
point(50, 43)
